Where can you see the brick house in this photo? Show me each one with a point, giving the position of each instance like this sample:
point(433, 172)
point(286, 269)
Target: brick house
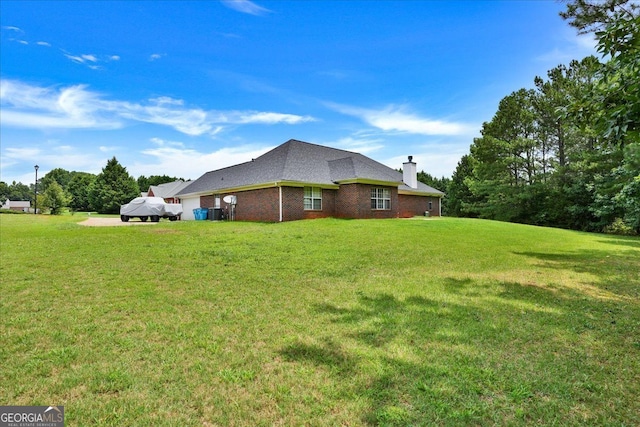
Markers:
point(168, 190)
point(299, 180)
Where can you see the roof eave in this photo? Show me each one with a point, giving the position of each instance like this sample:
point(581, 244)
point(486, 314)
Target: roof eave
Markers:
point(368, 181)
point(419, 193)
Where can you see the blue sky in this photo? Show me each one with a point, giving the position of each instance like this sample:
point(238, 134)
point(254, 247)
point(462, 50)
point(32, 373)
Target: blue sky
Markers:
point(184, 87)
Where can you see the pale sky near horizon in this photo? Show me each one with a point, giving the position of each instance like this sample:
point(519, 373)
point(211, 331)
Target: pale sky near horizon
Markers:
point(184, 87)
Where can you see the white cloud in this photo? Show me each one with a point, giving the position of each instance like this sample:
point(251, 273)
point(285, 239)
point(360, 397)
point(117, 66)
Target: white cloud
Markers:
point(245, 6)
point(12, 28)
point(91, 60)
point(258, 117)
point(359, 145)
point(75, 58)
point(164, 143)
point(435, 159)
point(189, 121)
point(28, 106)
point(397, 119)
point(156, 56)
point(166, 100)
point(21, 153)
point(108, 149)
point(570, 46)
point(52, 157)
point(73, 107)
point(41, 43)
point(173, 159)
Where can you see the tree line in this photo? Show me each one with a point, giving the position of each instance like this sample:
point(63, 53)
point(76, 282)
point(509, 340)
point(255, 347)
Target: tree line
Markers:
point(82, 191)
point(565, 152)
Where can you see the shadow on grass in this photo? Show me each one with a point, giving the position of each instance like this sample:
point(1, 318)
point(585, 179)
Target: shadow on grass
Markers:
point(329, 354)
point(615, 272)
point(633, 242)
point(470, 360)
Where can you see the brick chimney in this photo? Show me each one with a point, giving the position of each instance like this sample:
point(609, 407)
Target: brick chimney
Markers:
point(410, 173)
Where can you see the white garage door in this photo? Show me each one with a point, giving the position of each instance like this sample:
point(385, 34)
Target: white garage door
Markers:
point(188, 205)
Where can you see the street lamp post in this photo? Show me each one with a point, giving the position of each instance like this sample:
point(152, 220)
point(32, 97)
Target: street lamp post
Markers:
point(35, 192)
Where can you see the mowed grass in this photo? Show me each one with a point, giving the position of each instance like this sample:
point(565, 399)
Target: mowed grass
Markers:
point(321, 323)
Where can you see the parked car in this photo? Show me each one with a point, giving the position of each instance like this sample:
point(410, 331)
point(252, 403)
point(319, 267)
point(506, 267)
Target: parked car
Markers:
point(152, 208)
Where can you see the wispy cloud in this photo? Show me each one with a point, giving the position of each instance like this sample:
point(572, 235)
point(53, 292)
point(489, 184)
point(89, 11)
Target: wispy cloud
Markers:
point(437, 158)
point(358, 144)
point(177, 160)
point(245, 6)
point(15, 34)
point(82, 59)
point(91, 60)
point(72, 107)
point(28, 106)
point(108, 148)
point(60, 156)
point(395, 118)
point(12, 28)
point(259, 117)
point(156, 56)
point(88, 59)
point(570, 46)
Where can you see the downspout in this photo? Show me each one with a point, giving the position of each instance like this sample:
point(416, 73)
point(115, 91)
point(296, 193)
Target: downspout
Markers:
point(280, 191)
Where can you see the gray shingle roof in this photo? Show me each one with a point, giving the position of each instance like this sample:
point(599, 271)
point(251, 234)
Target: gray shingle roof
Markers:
point(301, 162)
point(169, 189)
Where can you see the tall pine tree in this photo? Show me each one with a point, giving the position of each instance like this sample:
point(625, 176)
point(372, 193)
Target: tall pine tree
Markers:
point(113, 187)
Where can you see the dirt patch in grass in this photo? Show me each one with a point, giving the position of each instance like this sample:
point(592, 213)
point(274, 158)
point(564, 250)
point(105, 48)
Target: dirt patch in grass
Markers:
point(111, 222)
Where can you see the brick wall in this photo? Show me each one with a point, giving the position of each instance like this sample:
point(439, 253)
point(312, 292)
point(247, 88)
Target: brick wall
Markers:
point(257, 205)
point(418, 205)
point(207, 201)
point(293, 204)
point(350, 201)
point(435, 205)
point(354, 201)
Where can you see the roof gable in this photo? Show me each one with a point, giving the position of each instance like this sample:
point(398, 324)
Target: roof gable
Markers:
point(168, 189)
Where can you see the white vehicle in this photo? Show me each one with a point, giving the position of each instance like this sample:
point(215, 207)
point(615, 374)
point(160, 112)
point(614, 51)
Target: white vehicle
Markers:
point(150, 207)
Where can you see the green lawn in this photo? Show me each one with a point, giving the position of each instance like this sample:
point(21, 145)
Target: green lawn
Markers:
point(321, 323)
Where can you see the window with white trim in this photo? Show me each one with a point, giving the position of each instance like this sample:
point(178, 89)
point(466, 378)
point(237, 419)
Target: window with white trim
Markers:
point(380, 199)
point(312, 198)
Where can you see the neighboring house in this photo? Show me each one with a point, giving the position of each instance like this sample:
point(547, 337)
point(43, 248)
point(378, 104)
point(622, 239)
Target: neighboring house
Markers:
point(299, 180)
point(167, 191)
point(17, 205)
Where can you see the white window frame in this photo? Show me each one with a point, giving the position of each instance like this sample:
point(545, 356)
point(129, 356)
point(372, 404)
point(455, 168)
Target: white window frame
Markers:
point(380, 199)
point(312, 199)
